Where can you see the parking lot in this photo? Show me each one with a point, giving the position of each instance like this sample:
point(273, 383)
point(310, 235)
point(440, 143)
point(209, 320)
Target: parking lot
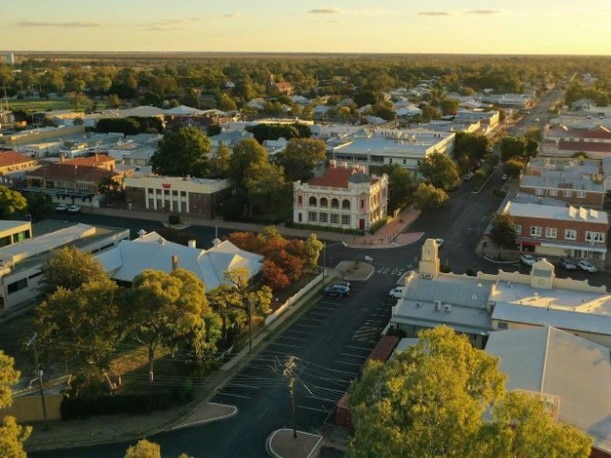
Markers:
point(330, 342)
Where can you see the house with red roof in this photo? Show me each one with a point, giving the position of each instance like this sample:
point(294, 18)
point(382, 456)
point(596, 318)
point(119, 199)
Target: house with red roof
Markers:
point(14, 163)
point(345, 197)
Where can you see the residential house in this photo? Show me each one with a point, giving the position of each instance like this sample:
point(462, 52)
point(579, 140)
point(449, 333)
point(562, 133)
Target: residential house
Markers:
point(569, 373)
point(344, 197)
point(196, 196)
point(560, 231)
point(151, 251)
point(21, 261)
point(13, 166)
point(478, 306)
point(283, 87)
point(578, 182)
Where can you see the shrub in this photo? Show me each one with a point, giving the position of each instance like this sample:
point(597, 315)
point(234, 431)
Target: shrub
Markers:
point(174, 219)
point(499, 193)
point(375, 226)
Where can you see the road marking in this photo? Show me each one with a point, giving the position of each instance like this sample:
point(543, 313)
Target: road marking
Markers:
point(305, 318)
point(350, 355)
point(314, 409)
point(367, 348)
point(305, 325)
point(349, 364)
point(367, 334)
point(222, 393)
point(285, 345)
point(324, 315)
point(298, 339)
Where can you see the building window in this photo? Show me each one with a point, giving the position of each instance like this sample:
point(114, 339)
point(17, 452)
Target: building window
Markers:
point(518, 229)
point(345, 204)
point(300, 200)
point(299, 217)
point(362, 204)
point(334, 218)
point(183, 193)
point(346, 220)
point(595, 236)
point(553, 192)
point(16, 286)
point(334, 203)
point(158, 191)
point(581, 194)
point(149, 190)
point(324, 202)
point(324, 217)
point(312, 216)
point(502, 325)
point(535, 231)
point(312, 201)
point(570, 234)
point(550, 232)
point(174, 192)
point(539, 192)
point(568, 193)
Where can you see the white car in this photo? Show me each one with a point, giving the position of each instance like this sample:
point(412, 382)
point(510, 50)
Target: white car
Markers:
point(397, 293)
point(73, 209)
point(587, 266)
point(528, 259)
point(61, 208)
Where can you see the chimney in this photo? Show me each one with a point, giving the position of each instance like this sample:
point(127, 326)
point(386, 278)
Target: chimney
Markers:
point(141, 233)
point(216, 242)
point(174, 262)
point(192, 243)
point(345, 165)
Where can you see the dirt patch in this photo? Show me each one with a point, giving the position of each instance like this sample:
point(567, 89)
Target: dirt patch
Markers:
point(355, 270)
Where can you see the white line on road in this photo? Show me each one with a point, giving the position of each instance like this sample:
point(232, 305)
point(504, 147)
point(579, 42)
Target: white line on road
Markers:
point(222, 393)
point(349, 364)
point(314, 409)
point(368, 348)
point(351, 355)
point(285, 345)
point(298, 339)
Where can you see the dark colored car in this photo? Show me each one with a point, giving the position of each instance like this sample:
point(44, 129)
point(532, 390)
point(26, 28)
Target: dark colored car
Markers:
point(336, 290)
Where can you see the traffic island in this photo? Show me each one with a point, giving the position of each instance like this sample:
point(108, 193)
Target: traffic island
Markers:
point(282, 443)
point(355, 270)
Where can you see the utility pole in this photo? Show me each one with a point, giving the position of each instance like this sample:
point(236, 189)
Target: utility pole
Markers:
point(324, 262)
point(38, 372)
point(289, 368)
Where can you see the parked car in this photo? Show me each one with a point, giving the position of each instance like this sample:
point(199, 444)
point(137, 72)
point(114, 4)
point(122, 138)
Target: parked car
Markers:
point(528, 259)
point(439, 242)
point(567, 264)
point(342, 283)
point(504, 177)
point(397, 293)
point(73, 209)
point(336, 290)
point(61, 208)
point(587, 266)
point(467, 176)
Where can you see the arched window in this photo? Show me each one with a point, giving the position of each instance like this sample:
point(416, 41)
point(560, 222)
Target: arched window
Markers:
point(334, 203)
point(345, 204)
point(312, 201)
point(324, 202)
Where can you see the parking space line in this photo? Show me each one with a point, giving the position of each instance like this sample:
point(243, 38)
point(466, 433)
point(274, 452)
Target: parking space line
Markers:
point(349, 364)
point(305, 318)
point(322, 314)
point(285, 345)
point(350, 355)
point(315, 409)
point(222, 393)
point(299, 339)
point(367, 348)
point(299, 332)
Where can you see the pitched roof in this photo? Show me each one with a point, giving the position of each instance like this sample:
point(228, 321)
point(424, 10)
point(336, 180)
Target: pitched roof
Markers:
point(67, 172)
point(152, 251)
point(8, 158)
point(90, 161)
point(565, 367)
point(335, 177)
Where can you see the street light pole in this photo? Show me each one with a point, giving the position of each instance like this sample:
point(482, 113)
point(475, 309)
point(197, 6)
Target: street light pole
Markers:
point(38, 373)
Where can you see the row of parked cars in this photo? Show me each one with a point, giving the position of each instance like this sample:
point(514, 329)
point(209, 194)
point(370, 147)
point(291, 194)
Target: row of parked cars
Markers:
point(564, 263)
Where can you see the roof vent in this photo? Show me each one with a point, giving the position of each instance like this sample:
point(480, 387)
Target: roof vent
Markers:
point(437, 306)
point(418, 304)
point(447, 308)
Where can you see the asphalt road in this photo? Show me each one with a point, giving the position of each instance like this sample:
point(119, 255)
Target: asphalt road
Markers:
point(330, 341)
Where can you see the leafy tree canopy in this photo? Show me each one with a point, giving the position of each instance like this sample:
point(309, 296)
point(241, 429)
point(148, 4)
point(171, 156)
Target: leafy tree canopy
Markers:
point(300, 157)
point(440, 171)
point(12, 435)
point(442, 397)
point(503, 231)
point(428, 196)
point(11, 202)
point(182, 152)
point(144, 449)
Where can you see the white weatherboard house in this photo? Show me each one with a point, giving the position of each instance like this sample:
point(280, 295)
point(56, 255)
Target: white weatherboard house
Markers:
point(151, 251)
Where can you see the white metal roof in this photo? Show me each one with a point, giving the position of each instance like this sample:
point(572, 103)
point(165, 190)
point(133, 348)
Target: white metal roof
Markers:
point(556, 213)
point(553, 362)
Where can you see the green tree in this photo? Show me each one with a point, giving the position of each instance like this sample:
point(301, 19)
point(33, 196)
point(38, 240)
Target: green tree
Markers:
point(39, 205)
point(144, 449)
point(313, 248)
point(470, 147)
point(114, 101)
point(181, 153)
point(300, 158)
point(266, 191)
point(440, 171)
point(163, 308)
point(400, 186)
point(252, 302)
point(246, 155)
point(513, 167)
point(80, 327)
point(512, 147)
point(219, 162)
point(79, 101)
point(11, 202)
point(70, 268)
point(428, 196)
point(442, 397)
point(503, 231)
point(12, 435)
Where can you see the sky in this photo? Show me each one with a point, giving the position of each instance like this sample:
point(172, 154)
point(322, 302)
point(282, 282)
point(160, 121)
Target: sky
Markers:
point(334, 26)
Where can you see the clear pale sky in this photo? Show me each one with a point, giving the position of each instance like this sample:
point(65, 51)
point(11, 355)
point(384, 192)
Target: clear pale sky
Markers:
point(382, 26)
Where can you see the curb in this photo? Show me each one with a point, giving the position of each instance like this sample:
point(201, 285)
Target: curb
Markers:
point(274, 454)
point(233, 413)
